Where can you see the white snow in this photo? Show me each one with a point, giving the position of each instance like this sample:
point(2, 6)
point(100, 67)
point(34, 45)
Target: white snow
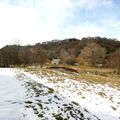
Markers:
point(25, 99)
point(7, 71)
point(101, 100)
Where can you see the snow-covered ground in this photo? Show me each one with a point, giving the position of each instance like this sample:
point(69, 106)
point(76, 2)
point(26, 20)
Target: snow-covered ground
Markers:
point(22, 98)
point(101, 101)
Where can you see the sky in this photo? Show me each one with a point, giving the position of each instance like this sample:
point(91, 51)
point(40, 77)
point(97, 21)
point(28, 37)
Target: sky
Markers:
point(33, 21)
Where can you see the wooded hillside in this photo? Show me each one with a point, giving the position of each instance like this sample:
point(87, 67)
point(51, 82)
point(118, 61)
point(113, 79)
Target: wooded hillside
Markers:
point(70, 51)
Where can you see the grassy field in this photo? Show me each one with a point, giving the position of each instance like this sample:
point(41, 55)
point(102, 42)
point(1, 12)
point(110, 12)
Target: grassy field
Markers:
point(87, 74)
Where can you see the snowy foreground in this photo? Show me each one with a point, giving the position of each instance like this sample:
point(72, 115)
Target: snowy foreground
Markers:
point(42, 99)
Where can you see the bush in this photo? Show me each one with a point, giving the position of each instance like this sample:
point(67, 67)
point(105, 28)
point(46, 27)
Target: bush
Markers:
point(70, 61)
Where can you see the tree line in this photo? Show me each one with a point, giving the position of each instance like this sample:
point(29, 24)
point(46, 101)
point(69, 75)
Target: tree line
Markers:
point(16, 55)
point(92, 51)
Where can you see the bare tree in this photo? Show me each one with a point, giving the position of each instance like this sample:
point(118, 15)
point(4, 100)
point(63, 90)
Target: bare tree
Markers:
point(32, 56)
point(64, 54)
point(114, 60)
point(41, 57)
point(24, 56)
point(92, 54)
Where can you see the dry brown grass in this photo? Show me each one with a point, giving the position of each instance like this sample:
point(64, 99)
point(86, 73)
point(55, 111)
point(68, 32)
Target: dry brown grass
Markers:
point(87, 74)
point(112, 80)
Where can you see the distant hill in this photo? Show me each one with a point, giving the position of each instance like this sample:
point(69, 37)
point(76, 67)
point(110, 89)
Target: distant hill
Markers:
point(77, 44)
point(63, 49)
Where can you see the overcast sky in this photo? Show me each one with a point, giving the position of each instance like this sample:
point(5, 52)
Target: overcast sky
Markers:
point(32, 21)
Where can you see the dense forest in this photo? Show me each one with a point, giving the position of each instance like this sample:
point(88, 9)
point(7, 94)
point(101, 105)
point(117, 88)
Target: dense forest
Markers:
point(91, 51)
